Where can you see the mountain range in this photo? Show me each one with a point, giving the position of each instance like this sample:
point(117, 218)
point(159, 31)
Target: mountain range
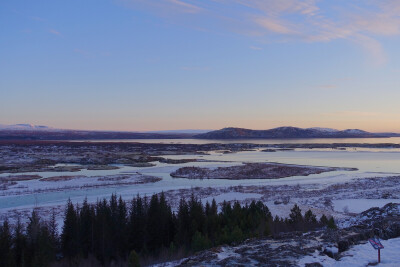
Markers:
point(35, 132)
point(286, 132)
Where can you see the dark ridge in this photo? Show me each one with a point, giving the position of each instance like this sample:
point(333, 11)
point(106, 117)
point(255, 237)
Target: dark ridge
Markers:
point(285, 133)
point(225, 133)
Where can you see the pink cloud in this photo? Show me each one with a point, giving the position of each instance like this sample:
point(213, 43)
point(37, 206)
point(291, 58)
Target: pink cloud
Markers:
point(164, 7)
point(185, 7)
point(274, 25)
point(292, 20)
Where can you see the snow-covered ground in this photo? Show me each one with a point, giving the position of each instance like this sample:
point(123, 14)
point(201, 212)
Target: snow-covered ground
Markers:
point(231, 196)
point(326, 193)
point(341, 194)
point(360, 255)
point(323, 247)
point(359, 205)
point(72, 182)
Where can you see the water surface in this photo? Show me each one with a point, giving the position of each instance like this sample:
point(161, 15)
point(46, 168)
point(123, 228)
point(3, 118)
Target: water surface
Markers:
point(370, 163)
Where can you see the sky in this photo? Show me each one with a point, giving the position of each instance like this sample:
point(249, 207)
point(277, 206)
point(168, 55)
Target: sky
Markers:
point(139, 65)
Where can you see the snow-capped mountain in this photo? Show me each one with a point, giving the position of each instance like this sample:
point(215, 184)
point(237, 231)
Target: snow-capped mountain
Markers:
point(24, 126)
point(354, 131)
point(285, 133)
point(326, 130)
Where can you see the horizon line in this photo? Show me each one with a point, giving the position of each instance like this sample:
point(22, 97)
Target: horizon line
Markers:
point(171, 130)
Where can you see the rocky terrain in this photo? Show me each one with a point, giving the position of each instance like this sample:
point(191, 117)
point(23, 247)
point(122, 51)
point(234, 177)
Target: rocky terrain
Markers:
point(288, 249)
point(30, 156)
point(55, 156)
point(32, 170)
point(251, 171)
point(34, 184)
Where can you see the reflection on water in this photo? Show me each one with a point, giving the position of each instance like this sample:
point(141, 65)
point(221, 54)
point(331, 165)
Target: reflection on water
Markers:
point(365, 161)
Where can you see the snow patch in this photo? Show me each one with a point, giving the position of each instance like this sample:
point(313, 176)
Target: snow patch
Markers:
point(24, 126)
point(360, 205)
point(231, 196)
point(360, 255)
point(326, 130)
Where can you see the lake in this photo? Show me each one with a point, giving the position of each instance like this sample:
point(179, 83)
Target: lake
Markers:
point(370, 163)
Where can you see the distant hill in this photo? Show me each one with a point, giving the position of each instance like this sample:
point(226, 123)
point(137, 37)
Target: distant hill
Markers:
point(84, 135)
point(188, 131)
point(35, 132)
point(286, 132)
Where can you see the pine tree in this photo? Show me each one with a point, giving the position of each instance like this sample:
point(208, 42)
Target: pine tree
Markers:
point(103, 231)
point(33, 228)
point(40, 251)
point(212, 221)
point(323, 220)
point(69, 237)
point(86, 228)
point(137, 224)
point(154, 225)
point(53, 230)
point(236, 235)
point(19, 244)
point(197, 216)
point(113, 227)
point(310, 218)
point(6, 253)
point(183, 224)
point(108, 231)
point(331, 223)
point(122, 226)
point(45, 252)
point(226, 215)
point(32, 236)
point(200, 242)
point(295, 215)
point(166, 222)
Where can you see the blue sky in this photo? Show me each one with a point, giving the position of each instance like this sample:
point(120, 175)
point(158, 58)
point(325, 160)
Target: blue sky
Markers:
point(175, 64)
